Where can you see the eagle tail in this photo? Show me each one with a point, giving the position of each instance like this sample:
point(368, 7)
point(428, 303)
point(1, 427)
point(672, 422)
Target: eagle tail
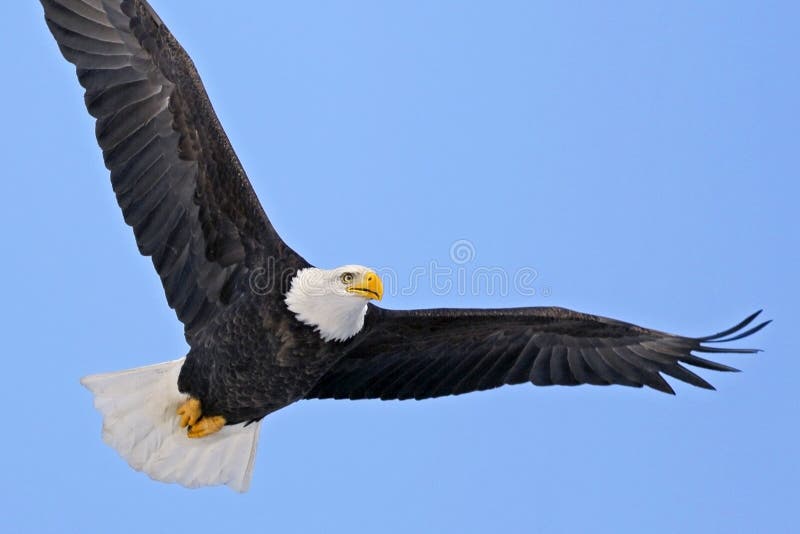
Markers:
point(140, 422)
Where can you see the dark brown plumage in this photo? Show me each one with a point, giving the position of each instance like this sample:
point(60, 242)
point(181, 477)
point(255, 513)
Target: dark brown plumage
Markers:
point(192, 208)
point(194, 212)
point(421, 354)
point(175, 174)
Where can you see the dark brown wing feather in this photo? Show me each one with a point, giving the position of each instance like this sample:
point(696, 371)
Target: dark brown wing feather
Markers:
point(421, 354)
point(175, 174)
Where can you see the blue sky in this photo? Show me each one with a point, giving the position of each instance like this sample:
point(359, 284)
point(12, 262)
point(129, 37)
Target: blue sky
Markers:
point(640, 157)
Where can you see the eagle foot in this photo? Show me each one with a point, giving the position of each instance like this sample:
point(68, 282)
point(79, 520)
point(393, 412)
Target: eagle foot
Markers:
point(206, 426)
point(190, 412)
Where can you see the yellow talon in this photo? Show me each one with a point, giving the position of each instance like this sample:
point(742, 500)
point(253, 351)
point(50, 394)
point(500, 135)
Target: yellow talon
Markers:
point(206, 426)
point(190, 412)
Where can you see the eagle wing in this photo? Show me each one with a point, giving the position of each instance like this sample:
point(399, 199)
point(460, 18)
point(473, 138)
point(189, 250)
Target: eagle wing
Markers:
point(421, 354)
point(173, 170)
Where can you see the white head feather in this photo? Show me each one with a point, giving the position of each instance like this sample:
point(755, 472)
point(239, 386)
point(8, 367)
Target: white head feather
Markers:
point(333, 301)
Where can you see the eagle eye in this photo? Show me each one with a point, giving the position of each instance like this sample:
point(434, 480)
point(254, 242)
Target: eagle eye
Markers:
point(347, 278)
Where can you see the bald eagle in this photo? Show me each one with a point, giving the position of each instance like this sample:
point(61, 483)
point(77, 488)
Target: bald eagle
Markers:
point(304, 332)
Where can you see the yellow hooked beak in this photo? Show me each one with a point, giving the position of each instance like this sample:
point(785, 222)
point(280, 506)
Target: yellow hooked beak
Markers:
point(369, 285)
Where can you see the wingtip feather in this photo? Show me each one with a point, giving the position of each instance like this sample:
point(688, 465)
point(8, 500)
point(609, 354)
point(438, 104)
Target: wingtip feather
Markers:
point(718, 337)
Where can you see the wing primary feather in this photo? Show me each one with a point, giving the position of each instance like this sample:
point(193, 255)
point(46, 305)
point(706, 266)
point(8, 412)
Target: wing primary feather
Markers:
point(143, 206)
point(95, 61)
point(436, 373)
point(403, 380)
point(144, 183)
point(657, 382)
point(448, 381)
point(118, 98)
point(644, 365)
point(747, 320)
point(648, 353)
point(521, 370)
point(631, 372)
point(581, 370)
point(697, 361)
point(125, 178)
point(560, 372)
point(150, 234)
point(495, 376)
point(175, 253)
point(412, 383)
point(472, 379)
point(97, 81)
point(77, 23)
point(124, 134)
point(87, 11)
point(131, 144)
point(540, 373)
point(601, 368)
point(88, 45)
point(718, 350)
point(744, 334)
point(359, 380)
point(374, 386)
point(681, 373)
point(649, 369)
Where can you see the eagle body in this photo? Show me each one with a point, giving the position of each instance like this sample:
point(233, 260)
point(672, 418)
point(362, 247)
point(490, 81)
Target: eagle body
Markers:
point(264, 327)
point(254, 368)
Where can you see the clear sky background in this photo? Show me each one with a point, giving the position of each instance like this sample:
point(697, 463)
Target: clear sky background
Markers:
point(641, 157)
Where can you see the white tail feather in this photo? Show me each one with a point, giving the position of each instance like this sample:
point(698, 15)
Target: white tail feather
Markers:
point(140, 422)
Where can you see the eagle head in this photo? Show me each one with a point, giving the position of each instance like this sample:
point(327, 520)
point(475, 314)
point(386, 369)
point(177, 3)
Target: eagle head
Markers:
point(334, 301)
